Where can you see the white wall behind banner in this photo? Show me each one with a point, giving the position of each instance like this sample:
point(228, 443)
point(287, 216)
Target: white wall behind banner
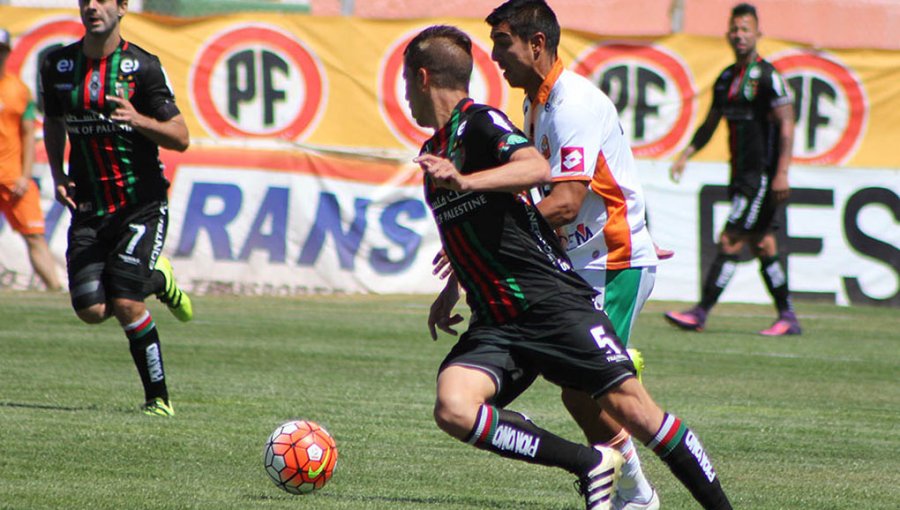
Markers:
point(253, 230)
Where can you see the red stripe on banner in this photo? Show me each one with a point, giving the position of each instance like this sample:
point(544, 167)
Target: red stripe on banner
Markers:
point(357, 168)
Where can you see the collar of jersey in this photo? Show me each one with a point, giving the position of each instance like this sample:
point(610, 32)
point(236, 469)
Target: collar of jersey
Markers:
point(548, 83)
point(461, 107)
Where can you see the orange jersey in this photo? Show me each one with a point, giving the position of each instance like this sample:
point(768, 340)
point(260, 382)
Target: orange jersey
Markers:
point(15, 104)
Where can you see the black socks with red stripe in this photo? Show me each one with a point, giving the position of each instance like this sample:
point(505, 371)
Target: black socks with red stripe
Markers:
point(512, 435)
point(681, 450)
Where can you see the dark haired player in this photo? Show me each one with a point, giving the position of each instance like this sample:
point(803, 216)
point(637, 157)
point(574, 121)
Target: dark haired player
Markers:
point(114, 102)
point(530, 311)
point(757, 105)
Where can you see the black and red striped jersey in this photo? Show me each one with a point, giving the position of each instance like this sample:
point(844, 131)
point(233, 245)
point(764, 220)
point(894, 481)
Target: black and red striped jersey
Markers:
point(505, 255)
point(111, 164)
point(746, 96)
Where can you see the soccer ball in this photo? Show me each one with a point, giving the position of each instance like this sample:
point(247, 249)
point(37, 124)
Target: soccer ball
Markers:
point(300, 456)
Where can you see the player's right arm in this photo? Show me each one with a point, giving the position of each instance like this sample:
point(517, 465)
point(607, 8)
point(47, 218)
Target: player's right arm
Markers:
point(578, 129)
point(55, 132)
point(439, 317)
point(55, 143)
point(700, 139)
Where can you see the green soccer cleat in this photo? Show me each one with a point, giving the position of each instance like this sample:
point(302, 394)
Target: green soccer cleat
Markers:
point(177, 300)
point(158, 407)
point(638, 359)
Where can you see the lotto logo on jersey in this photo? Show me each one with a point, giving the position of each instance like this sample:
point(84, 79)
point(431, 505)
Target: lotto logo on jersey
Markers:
point(571, 160)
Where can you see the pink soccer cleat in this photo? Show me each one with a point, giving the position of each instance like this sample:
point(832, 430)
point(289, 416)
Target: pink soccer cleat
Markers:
point(787, 324)
point(691, 320)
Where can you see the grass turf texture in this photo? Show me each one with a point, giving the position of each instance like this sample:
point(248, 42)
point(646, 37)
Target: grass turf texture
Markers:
point(807, 422)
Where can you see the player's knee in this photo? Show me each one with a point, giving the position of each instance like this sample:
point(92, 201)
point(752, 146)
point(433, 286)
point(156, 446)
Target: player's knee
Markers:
point(455, 414)
point(94, 314)
point(127, 310)
point(730, 243)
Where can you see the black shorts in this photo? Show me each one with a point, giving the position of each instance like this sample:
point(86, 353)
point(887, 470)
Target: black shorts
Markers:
point(113, 256)
point(564, 339)
point(754, 212)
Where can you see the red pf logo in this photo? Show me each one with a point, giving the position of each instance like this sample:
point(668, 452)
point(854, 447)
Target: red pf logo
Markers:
point(651, 88)
point(31, 48)
point(257, 81)
point(486, 87)
point(829, 104)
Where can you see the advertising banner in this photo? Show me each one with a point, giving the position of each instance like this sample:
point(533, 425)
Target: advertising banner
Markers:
point(299, 179)
point(293, 222)
point(337, 81)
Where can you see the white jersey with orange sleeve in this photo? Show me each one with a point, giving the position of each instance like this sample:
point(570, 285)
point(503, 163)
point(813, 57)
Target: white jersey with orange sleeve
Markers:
point(576, 127)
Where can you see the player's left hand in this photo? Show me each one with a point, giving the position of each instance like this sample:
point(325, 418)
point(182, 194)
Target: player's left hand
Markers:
point(781, 191)
point(124, 112)
point(439, 317)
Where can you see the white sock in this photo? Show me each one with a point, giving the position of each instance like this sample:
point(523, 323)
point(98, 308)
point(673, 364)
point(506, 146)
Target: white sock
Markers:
point(633, 485)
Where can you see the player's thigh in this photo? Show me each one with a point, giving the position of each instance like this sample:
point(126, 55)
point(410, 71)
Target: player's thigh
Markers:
point(752, 212)
point(24, 212)
point(486, 349)
point(86, 256)
point(574, 345)
point(136, 244)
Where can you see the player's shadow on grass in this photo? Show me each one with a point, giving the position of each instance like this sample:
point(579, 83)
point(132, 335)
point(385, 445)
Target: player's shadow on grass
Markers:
point(46, 407)
point(435, 501)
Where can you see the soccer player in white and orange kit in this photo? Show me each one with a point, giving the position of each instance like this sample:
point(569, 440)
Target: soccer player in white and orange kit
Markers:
point(595, 200)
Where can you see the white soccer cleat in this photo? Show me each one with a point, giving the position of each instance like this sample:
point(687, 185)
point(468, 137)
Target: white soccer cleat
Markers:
point(653, 504)
point(598, 485)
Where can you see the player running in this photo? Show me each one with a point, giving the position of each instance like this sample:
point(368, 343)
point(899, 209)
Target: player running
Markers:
point(595, 200)
point(530, 310)
point(114, 102)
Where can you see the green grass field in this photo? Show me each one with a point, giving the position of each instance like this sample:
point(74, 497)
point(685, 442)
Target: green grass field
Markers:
point(810, 422)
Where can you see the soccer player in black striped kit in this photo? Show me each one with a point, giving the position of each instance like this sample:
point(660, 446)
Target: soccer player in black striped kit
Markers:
point(754, 99)
point(530, 310)
point(114, 102)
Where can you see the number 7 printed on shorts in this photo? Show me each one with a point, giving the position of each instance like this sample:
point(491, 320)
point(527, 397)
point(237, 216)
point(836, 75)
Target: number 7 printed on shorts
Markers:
point(139, 231)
